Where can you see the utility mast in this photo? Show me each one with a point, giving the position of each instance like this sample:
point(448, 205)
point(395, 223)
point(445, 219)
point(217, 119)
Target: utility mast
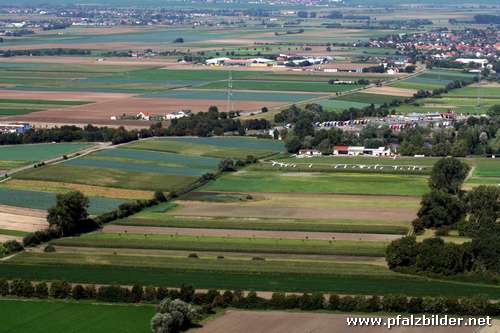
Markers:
point(230, 106)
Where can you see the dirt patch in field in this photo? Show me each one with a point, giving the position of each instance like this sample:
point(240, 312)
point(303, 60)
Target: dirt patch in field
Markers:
point(391, 91)
point(238, 321)
point(23, 219)
point(300, 206)
point(101, 191)
point(249, 233)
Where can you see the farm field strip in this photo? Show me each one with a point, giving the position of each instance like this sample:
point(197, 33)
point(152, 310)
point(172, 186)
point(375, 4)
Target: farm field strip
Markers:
point(213, 147)
point(236, 95)
point(253, 223)
point(342, 183)
point(89, 190)
point(147, 167)
point(229, 244)
point(108, 177)
point(44, 200)
point(34, 266)
point(302, 86)
point(299, 322)
point(63, 316)
point(39, 151)
point(228, 264)
point(249, 233)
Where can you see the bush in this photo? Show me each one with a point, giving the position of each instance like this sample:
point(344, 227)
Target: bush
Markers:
point(137, 293)
point(60, 289)
point(49, 248)
point(4, 287)
point(41, 290)
point(12, 246)
point(22, 288)
point(150, 294)
point(114, 294)
point(159, 196)
point(79, 292)
point(193, 255)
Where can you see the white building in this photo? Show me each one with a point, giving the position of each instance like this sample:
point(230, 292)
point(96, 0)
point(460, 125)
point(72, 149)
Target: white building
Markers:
point(217, 61)
point(308, 153)
point(177, 115)
point(467, 61)
point(360, 150)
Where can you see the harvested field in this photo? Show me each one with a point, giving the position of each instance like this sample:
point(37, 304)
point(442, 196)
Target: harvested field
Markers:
point(302, 206)
point(249, 233)
point(61, 95)
point(391, 91)
point(238, 321)
point(59, 187)
point(23, 219)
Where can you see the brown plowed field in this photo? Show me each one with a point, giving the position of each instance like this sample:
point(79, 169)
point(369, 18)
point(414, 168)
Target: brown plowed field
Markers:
point(62, 95)
point(238, 321)
point(23, 219)
point(248, 233)
point(391, 91)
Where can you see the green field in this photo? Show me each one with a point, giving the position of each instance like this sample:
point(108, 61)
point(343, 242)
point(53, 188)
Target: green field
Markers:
point(433, 79)
point(337, 104)
point(41, 316)
point(282, 86)
point(334, 225)
point(9, 111)
point(289, 97)
point(483, 92)
point(342, 278)
point(39, 152)
point(346, 183)
point(226, 244)
point(148, 162)
point(377, 99)
point(108, 177)
point(45, 200)
point(222, 147)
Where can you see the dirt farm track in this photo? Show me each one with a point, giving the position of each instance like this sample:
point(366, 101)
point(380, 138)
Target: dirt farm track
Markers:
point(236, 321)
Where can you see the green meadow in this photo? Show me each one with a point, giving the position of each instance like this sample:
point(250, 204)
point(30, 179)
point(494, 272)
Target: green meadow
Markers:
point(220, 147)
point(281, 275)
point(41, 316)
point(315, 182)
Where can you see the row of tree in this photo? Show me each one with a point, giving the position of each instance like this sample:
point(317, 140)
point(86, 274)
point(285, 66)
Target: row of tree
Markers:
point(474, 214)
point(211, 299)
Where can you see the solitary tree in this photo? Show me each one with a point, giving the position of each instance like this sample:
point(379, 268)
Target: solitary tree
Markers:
point(70, 212)
point(448, 175)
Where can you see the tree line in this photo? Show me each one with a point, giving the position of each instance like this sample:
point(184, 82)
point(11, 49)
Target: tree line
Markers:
point(207, 302)
point(201, 124)
point(474, 214)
